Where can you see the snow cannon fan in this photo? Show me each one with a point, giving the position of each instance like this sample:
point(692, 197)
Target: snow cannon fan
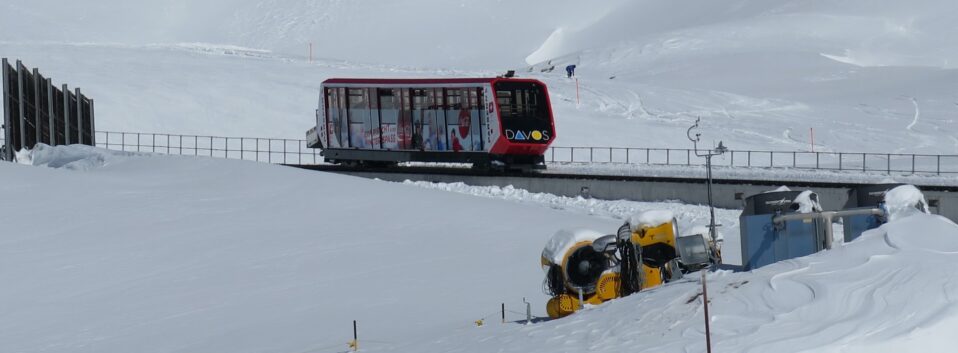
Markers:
point(581, 266)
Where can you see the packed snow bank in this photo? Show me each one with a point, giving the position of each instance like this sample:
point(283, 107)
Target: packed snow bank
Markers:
point(893, 288)
point(73, 157)
point(621, 210)
point(903, 201)
point(650, 218)
point(806, 204)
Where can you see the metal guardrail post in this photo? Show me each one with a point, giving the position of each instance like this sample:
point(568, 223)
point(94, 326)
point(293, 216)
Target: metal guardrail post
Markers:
point(668, 156)
point(749, 158)
point(794, 156)
point(938, 171)
point(913, 164)
point(864, 162)
point(817, 164)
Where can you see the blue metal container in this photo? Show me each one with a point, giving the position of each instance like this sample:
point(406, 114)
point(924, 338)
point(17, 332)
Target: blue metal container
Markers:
point(865, 196)
point(764, 242)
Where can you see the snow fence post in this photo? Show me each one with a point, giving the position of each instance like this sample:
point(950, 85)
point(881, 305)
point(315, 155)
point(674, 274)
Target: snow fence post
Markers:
point(354, 344)
point(528, 311)
point(503, 312)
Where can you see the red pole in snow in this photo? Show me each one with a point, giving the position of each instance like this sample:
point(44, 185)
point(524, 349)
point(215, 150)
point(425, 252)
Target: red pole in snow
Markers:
point(812, 134)
point(577, 91)
point(705, 300)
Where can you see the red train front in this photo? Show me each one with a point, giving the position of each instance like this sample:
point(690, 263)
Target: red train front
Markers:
point(489, 122)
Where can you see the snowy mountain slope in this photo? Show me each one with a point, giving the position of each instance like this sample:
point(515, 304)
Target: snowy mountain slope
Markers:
point(117, 252)
point(892, 290)
point(865, 75)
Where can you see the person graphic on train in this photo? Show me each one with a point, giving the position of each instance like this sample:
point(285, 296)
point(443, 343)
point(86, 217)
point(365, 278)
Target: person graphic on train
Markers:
point(465, 124)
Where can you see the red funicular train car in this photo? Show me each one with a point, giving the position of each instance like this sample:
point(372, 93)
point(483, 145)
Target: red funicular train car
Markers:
point(490, 122)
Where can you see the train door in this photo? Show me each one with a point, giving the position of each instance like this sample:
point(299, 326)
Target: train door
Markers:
point(343, 128)
point(458, 120)
point(374, 128)
point(422, 126)
point(476, 125)
point(437, 122)
point(358, 113)
point(405, 120)
point(389, 117)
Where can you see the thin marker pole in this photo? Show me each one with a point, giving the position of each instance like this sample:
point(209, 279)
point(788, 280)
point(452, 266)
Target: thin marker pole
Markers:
point(705, 302)
point(577, 91)
point(355, 338)
point(811, 132)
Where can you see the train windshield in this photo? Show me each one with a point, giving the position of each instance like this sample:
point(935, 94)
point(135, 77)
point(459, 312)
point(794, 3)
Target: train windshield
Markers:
point(524, 111)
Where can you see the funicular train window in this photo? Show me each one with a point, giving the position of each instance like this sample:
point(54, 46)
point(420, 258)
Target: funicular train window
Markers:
point(525, 115)
point(334, 122)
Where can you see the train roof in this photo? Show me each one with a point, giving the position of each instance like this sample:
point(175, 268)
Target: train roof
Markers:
point(423, 81)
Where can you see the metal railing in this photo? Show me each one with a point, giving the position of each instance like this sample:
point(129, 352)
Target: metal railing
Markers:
point(294, 151)
point(841, 161)
point(260, 149)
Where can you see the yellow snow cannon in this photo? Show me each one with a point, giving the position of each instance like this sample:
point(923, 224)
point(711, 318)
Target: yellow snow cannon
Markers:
point(579, 268)
point(587, 267)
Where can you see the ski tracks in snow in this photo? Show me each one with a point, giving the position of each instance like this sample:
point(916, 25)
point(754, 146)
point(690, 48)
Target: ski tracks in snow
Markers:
point(917, 113)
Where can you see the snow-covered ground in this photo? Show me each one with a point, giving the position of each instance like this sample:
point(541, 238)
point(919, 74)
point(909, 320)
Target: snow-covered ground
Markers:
point(111, 252)
point(892, 290)
point(119, 252)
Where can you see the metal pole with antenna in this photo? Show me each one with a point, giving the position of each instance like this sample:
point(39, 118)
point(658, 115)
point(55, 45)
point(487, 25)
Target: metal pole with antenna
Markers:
point(720, 150)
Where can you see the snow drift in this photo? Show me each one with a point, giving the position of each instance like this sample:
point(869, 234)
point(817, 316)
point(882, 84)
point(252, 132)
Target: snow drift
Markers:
point(891, 290)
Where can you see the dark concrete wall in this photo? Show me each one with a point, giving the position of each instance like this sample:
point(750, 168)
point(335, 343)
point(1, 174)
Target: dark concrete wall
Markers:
point(831, 198)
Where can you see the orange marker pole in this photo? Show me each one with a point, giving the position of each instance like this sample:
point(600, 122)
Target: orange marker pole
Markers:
point(812, 134)
point(577, 91)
